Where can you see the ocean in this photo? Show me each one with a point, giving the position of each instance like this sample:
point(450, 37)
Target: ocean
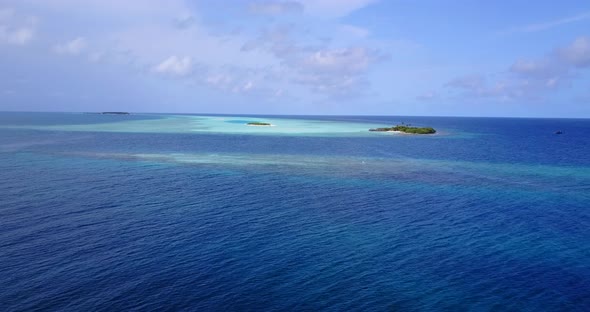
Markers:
point(202, 213)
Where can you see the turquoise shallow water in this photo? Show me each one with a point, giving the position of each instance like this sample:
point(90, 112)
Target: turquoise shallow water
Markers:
point(213, 124)
point(141, 212)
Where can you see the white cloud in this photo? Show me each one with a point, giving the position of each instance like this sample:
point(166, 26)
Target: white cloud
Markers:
point(478, 86)
point(16, 30)
point(527, 67)
point(18, 36)
point(355, 31)
point(336, 72)
point(243, 81)
point(327, 9)
point(531, 79)
point(537, 69)
point(73, 47)
point(552, 82)
point(505, 88)
point(551, 24)
point(347, 60)
point(240, 63)
point(169, 38)
point(469, 82)
point(219, 80)
point(556, 66)
point(276, 7)
point(332, 71)
point(96, 57)
point(185, 21)
point(583, 98)
point(6, 14)
point(197, 41)
point(246, 87)
point(116, 9)
point(175, 66)
point(427, 96)
point(578, 53)
point(334, 8)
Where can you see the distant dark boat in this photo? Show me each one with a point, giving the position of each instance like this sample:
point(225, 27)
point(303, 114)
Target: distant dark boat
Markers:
point(558, 132)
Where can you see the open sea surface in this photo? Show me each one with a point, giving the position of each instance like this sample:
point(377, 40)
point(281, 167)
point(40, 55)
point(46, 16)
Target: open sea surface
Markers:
point(203, 213)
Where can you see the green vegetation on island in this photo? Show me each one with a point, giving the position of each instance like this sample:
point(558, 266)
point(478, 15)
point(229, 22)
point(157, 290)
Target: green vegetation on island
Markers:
point(407, 129)
point(256, 123)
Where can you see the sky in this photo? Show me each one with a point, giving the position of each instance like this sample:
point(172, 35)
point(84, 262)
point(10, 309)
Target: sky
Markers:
point(305, 57)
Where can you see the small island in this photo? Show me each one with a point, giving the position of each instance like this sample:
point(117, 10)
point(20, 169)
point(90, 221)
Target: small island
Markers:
point(107, 113)
point(256, 123)
point(115, 113)
point(406, 129)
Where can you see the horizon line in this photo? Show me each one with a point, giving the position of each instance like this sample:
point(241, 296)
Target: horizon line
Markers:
point(317, 115)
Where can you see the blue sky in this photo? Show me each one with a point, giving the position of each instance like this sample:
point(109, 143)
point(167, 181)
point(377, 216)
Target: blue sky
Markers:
point(389, 57)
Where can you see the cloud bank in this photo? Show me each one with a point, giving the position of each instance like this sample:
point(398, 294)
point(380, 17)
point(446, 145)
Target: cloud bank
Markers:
point(530, 78)
point(16, 29)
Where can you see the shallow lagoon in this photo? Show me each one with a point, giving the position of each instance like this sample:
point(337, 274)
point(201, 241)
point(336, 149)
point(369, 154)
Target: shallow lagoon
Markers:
point(223, 124)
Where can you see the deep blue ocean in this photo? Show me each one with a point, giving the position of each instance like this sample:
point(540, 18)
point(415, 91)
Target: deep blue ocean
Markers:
point(493, 214)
